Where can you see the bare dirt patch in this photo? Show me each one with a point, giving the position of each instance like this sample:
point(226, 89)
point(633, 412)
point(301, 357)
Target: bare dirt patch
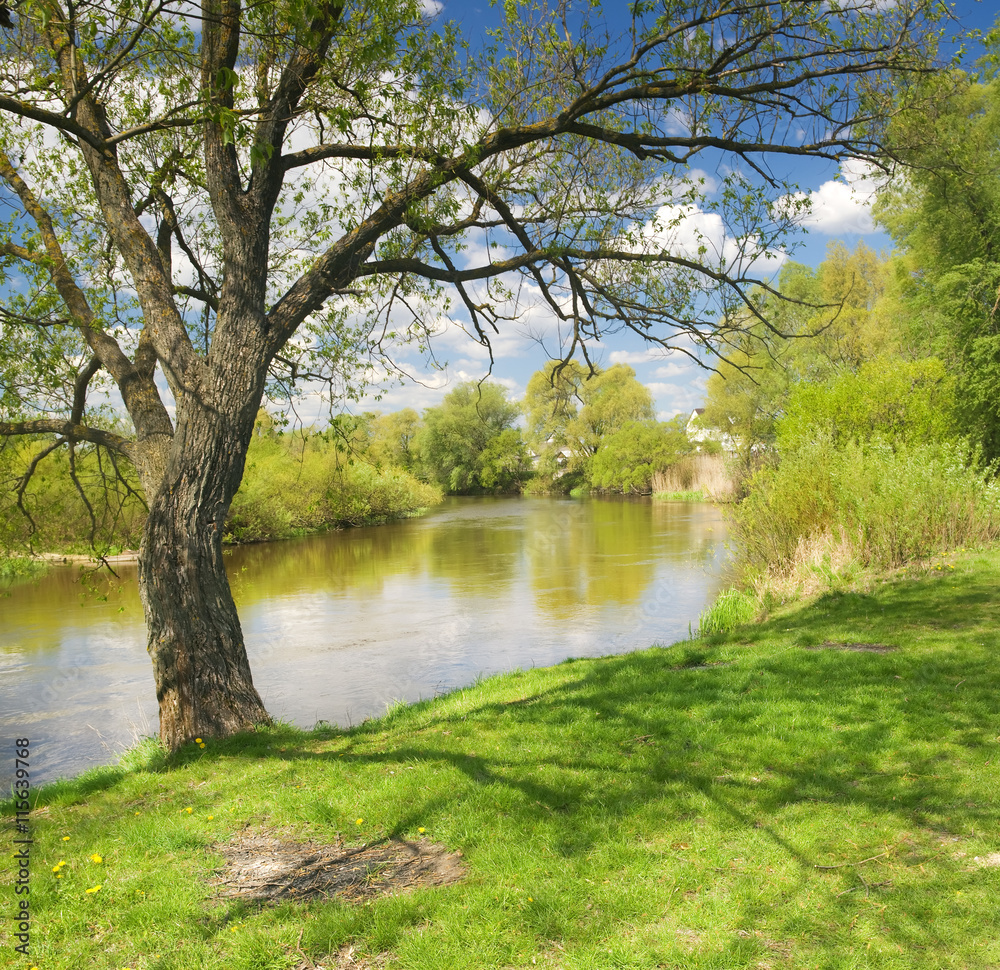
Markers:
point(855, 647)
point(263, 868)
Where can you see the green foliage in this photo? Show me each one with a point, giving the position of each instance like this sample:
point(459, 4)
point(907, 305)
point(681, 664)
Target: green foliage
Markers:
point(468, 443)
point(627, 459)
point(293, 484)
point(296, 484)
point(895, 401)
point(825, 322)
point(504, 464)
point(393, 439)
point(612, 399)
point(73, 502)
point(551, 400)
point(892, 504)
point(571, 412)
point(946, 216)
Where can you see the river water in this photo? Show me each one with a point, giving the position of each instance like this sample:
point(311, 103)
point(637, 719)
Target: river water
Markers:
point(340, 626)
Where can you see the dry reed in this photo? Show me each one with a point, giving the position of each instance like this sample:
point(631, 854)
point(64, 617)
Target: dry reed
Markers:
point(707, 474)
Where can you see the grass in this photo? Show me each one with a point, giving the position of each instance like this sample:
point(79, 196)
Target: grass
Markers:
point(820, 790)
point(695, 496)
point(732, 608)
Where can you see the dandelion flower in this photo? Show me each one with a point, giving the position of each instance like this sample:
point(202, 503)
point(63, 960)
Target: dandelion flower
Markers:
point(197, 740)
point(94, 889)
point(210, 817)
point(96, 858)
point(421, 830)
point(359, 821)
point(189, 809)
point(55, 868)
point(65, 838)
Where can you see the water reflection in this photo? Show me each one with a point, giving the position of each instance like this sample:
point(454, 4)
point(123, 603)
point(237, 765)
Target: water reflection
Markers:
point(339, 626)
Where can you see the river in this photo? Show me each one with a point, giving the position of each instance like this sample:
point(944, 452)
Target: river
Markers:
point(340, 626)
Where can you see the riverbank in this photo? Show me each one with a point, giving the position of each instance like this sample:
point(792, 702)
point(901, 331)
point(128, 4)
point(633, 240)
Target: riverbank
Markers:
point(820, 789)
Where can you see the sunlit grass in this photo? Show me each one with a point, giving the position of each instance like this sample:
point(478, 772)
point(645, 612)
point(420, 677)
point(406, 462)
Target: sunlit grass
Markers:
point(819, 790)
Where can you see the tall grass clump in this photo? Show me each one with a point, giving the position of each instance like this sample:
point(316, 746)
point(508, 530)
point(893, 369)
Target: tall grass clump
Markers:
point(822, 510)
point(732, 608)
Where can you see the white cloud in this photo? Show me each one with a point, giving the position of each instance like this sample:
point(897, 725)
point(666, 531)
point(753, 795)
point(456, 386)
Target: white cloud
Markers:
point(675, 370)
point(842, 205)
point(636, 356)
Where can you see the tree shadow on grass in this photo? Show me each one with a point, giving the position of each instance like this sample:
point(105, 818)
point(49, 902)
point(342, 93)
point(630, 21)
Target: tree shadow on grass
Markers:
point(772, 726)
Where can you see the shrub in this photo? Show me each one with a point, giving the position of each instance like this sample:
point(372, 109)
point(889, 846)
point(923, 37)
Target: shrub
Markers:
point(890, 505)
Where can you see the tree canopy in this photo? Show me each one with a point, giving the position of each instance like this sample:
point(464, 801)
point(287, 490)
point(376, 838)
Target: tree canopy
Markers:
point(210, 201)
point(469, 443)
point(944, 212)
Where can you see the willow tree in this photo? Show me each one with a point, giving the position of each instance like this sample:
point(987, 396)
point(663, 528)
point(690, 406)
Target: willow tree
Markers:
point(204, 198)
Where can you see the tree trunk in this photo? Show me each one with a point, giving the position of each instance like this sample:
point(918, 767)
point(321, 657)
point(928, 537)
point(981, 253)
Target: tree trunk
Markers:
point(203, 682)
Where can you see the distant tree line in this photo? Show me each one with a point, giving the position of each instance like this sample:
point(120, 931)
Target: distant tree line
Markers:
point(575, 429)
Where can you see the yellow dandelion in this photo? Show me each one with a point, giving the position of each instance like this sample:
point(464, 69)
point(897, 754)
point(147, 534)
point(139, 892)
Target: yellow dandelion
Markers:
point(530, 900)
point(94, 889)
point(138, 813)
point(65, 838)
point(189, 809)
point(55, 868)
point(197, 740)
point(421, 830)
point(96, 858)
point(210, 817)
point(201, 745)
point(359, 821)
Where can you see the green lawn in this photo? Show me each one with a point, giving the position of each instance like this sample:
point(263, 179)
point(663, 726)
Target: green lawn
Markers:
point(767, 798)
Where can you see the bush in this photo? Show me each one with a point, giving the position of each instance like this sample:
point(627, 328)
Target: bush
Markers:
point(890, 505)
point(294, 486)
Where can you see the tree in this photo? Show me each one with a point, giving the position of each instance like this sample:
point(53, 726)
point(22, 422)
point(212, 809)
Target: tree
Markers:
point(897, 402)
point(550, 402)
point(836, 321)
point(469, 439)
point(210, 201)
point(944, 212)
point(612, 399)
point(393, 439)
point(627, 459)
point(569, 406)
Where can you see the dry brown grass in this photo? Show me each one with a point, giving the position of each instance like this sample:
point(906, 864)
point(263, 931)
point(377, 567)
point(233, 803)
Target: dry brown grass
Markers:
point(705, 473)
point(817, 564)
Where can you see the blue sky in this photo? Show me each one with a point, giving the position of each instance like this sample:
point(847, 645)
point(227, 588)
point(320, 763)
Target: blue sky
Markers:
point(839, 212)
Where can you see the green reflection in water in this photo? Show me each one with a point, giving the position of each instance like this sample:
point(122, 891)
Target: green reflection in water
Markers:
point(568, 554)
